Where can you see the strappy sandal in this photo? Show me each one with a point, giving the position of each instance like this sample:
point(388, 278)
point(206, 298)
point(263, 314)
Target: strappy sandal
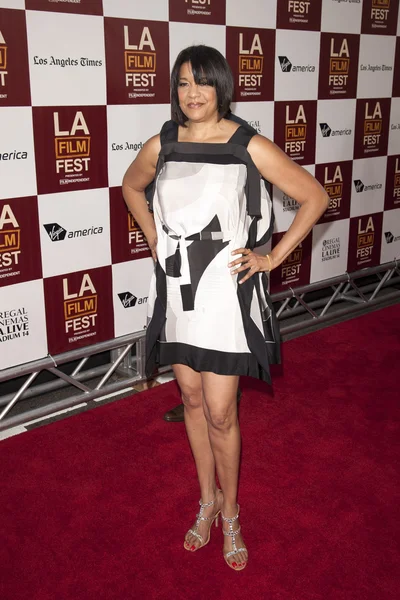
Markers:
point(232, 534)
point(200, 518)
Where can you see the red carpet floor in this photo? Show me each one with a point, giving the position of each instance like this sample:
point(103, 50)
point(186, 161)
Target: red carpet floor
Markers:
point(96, 506)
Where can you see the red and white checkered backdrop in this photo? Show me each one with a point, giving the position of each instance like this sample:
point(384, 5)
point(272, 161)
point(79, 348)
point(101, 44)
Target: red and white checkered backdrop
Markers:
point(83, 83)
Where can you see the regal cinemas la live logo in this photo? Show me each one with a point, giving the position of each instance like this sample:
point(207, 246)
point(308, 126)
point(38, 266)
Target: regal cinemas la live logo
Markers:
point(330, 249)
point(80, 308)
point(72, 151)
point(3, 62)
point(10, 238)
point(57, 233)
point(14, 324)
point(128, 300)
point(289, 204)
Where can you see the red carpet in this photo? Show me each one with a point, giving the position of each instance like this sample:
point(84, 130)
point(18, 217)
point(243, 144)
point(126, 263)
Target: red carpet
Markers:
point(97, 505)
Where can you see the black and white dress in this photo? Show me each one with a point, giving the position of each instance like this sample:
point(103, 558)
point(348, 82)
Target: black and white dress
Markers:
point(209, 199)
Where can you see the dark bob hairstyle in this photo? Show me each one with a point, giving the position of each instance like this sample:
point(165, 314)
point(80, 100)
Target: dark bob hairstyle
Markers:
point(206, 63)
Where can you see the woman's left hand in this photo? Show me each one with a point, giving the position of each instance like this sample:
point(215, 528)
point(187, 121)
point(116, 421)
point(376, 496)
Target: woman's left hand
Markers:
point(250, 260)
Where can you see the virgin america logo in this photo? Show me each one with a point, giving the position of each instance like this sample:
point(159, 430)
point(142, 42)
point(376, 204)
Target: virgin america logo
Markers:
point(127, 299)
point(358, 184)
point(390, 238)
point(325, 129)
point(55, 232)
point(285, 63)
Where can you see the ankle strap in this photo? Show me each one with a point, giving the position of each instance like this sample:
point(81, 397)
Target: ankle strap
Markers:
point(231, 519)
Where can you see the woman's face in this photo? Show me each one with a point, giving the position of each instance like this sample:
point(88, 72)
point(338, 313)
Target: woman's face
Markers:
point(197, 101)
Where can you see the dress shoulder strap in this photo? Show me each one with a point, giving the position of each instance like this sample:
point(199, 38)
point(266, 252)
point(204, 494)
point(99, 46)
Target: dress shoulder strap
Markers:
point(169, 132)
point(242, 136)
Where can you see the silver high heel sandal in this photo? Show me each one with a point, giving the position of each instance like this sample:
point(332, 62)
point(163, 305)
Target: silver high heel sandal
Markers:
point(200, 518)
point(232, 534)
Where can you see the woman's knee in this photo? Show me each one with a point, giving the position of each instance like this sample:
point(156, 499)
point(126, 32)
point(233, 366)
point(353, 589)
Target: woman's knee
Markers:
point(221, 419)
point(192, 397)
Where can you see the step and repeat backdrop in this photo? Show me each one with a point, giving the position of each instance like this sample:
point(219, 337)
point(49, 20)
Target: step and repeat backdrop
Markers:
point(84, 83)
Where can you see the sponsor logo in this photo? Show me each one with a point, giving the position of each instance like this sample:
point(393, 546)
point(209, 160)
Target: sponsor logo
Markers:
point(290, 268)
point(374, 68)
point(330, 249)
point(372, 126)
point(299, 14)
point(256, 125)
point(135, 146)
point(360, 187)
point(10, 241)
point(328, 132)
point(3, 61)
point(14, 324)
point(54, 61)
point(289, 204)
point(288, 67)
point(128, 300)
point(140, 64)
point(365, 240)
point(14, 155)
point(334, 187)
point(298, 10)
point(390, 238)
point(72, 148)
point(379, 12)
point(295, 131)
point(251, 65)
point(57, 233)
point(198, 7)
point(136, 236)
point(339, 65)
point(80, 307)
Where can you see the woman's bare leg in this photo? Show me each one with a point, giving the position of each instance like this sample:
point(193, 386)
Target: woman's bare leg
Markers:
point(220, 392)
point(190, 384)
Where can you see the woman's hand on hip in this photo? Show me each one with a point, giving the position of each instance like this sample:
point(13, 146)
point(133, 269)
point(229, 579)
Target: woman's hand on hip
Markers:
point(250, 261)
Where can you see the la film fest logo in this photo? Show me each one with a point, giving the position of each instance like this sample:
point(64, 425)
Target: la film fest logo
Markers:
point(379, 16)
point(294, 129)
point(396, 182)
point(336, 181)
point(72, 151)
point(290, 268)
point(57, 233)
point(330, 249)
point(80, 309)
point(197, 11)
point(128, 300)
point(299, 14)
point(14, 324)
point(338, 65)
point(3, 65)
point(372, 127)
point(365, 240)
point(333, 185)
point(137, 241)
point(137, 63)
point(295, 132)
point(250, 53)
point(10, 242)
point(392, 188)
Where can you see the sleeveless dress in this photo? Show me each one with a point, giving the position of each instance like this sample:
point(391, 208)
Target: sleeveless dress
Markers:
point(207, 200)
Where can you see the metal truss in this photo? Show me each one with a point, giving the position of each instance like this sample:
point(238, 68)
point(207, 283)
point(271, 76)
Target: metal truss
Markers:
point(298, 310)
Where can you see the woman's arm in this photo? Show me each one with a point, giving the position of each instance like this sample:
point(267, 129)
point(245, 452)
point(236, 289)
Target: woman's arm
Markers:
point(293, 180)
point(138, 176)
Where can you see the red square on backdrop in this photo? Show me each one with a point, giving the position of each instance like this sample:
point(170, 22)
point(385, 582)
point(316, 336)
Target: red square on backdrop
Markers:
point(84, 7)
point(20, 256)
point(198, 11)
point(14, 70)
point(379, 17)
point(295, 129)
point(336, 179)
point(250, 53)
point(137, 61)
point(392, 189)
point(295, 269)
point(365, 241)
point(79, 309)
point(338, 65)
point(70, 148)
point(127, 239)
point(372, 127)
point(299, 14)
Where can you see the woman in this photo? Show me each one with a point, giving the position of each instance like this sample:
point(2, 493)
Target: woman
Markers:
point(211, 316)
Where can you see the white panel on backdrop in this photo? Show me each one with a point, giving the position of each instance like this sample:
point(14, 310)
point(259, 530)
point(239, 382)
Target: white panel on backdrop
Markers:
point(329, 249)
point(129, 127)
point(285, 207)
point(375, 66)
point(335, 130)
point(296, 64)
point(12, 3)
point(17, 163)
point(394, 127)
point(182, 35)
point(260, 115)
point(368, 186)
point(131, 282)
point(74, 231)
point(156, 10)
point(22, 323)
point(251, 13)
point(66, 59)
point(390, 236)
point(344, 16)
